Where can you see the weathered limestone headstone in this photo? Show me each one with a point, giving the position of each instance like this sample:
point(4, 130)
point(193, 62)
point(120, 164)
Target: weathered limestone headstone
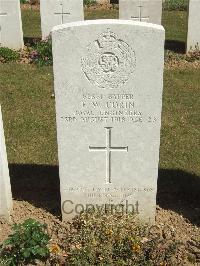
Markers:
point(108, 87)
point(56, 12)
point(11, 34)
point(193, 37)
point(5, 189)
point(141, 10)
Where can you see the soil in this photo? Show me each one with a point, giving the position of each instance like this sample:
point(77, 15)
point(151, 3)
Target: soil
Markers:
point(103, 6)
point(30, 7)
point(184, 230)
point(182, 64)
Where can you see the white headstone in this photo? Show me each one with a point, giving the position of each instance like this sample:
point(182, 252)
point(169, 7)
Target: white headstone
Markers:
point(56, 12)
point(193, 37)
point(141, 10)
point(11, 34)
point(5, 188)
point(108, 87)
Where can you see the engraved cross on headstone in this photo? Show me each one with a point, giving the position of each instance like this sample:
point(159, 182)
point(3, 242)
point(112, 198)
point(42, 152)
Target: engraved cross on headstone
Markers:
point(62, 13)
point(2, 14)
point(140, 17)
point(108, 149)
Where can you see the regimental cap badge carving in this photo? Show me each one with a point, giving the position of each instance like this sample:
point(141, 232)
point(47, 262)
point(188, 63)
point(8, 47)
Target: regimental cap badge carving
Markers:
point(109, 61)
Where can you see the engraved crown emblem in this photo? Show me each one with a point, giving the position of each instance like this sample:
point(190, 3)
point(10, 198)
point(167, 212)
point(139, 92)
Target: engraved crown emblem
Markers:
point(109, 61)
point(107, 38)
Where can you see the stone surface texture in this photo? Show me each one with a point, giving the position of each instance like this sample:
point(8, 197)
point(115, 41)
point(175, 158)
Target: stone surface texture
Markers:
point(141, 10)
point(108, 87)
point(56, 12)
point(193, 37)
point(5, 188)
point(11, 34)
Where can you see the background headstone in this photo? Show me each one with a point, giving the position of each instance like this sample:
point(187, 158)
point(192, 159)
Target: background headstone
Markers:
point(5, 188)
point(11, 34)
point(193, 37)
point(141, 10)
point(56, 12)
point(108, 87)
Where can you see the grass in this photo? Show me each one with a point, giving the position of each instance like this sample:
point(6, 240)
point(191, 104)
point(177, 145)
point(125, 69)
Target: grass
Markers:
point(180, 120)
point(31, 23)
point(29, 115)
point(175, 22)
point(101, 14)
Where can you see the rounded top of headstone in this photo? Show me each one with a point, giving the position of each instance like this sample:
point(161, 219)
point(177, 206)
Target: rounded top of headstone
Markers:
point(107, 22)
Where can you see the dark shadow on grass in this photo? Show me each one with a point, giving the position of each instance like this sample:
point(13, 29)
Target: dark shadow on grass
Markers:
point(37, 184)
point(179, 191)
point(114, 1)
point(175, 46)
point(30, 41)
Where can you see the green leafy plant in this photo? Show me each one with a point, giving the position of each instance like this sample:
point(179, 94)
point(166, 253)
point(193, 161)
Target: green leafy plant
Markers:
point(179, 5)
point(28, 242)
point(42, 53)
point(7, 55)
point(23, 1)
point(89, 2)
